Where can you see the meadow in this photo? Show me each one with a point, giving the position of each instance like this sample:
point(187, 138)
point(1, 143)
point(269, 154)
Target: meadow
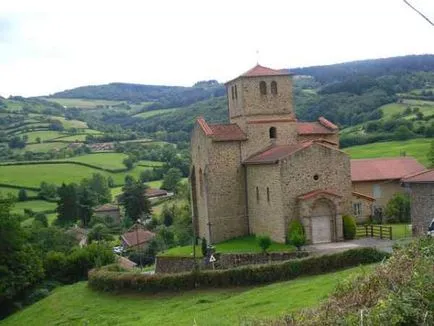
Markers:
point(389, 110)
point(418, 148)
point(34, 205)
point(148, 114)
point(14, 192)
point(43, 135)
point(78, 305)
point(42, 147)
point(103, 160)
point(82, 103)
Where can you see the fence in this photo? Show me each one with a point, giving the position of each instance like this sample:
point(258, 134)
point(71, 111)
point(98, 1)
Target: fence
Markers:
point(374, 231)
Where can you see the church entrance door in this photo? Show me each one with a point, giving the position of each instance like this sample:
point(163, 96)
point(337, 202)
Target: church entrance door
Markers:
point(321, 222)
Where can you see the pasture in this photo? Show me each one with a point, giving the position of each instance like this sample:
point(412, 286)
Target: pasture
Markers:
point(392, 109)
point(418, 148)
point(148, 114)
point(34, 205)
point(104, 160)
point(76, 304)
point(4, 191)
point(43, 147)
point(82, 103)
point(43, 135)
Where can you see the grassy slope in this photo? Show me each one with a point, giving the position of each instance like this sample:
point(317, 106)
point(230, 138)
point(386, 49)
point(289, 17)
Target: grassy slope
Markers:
point(43, 148)
point(14, 192)
point(77, 305)
point(35, 205)
point(44, 135)
point(418, 148)
point(104, 160)
point(82, 103)
point(242, 244)
point(148, 114)
point(33, 175)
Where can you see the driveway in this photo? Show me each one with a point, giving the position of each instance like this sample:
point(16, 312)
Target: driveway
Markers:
point(324, 248)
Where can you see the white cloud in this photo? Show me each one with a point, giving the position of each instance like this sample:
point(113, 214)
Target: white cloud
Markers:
point(47, 46)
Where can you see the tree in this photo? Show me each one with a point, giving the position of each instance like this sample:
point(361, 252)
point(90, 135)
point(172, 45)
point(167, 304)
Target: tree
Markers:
point(264, 242)
point(431, 155)
point(398, 208)
point(110, 182)
point(99, 232)
point(349, 227)
point(38, 140)
point(128, 162)
point(67, 205)
point(87, 200)
point(172, 179)
point(22, 195)
point(167, 215)
point(47, 190)
point(296, 235)
point(99, 186)
point(134, 201)
point(403, 133)
point(42, 219)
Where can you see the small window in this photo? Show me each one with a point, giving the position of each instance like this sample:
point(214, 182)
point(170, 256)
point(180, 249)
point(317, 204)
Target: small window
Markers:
point(257, 194)
point(268, 194)
point(201, 182)
point(357, 209)
point(316, 177)
point(236, 93)
point(273, 88)
point(233, 92)
point(273, 133)
point(376, 191)
point(263, 88)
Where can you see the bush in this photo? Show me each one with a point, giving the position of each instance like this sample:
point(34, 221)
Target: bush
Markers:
point(349, 227)
point(102, 279)
point(264, 242)
point(22, 195)
point(296, 235)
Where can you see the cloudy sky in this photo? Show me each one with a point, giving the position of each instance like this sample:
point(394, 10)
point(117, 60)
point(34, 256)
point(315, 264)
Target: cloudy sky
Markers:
point(48, 46)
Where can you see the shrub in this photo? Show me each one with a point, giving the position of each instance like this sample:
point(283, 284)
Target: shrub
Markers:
point(296, 235)
point(22, 195)
point(264, 242)
point(398, 208)
point(102, 279)
point(349, 227)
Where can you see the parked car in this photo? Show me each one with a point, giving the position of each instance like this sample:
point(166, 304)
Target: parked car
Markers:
point(431, 229)
point(118, 250)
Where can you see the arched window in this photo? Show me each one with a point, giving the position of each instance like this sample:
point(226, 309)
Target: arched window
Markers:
point(263, 88)
point(232, 90)
point(257, 194)
point(273, 133)
point(268, 194)
point(273, 88)
point(236, 93)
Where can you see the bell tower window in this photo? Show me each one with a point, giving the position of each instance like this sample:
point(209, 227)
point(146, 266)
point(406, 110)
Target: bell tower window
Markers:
point(273, 88)
point(273, 133)
point(263, 88)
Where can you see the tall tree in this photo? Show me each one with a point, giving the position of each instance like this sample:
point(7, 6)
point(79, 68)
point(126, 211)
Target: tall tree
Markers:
point(134, 201)
point(87, 200)
point(99, 185)
point(172, 179)
point(67, 205)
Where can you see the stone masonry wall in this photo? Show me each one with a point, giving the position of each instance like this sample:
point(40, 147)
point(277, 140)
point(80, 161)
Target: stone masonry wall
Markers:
point(386, 190)
point(171, 265)
point(266, 216)
point(422, 207)
point(297, 178)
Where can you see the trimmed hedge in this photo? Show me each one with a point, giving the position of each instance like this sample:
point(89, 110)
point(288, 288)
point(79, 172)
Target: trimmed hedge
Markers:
point(349, 226)
point(106, 280)
point(63, 162)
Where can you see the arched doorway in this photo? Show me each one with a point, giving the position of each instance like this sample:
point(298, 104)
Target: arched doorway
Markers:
point(321, 221)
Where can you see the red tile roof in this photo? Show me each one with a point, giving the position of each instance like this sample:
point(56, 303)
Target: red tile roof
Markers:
point(259, 70)
point(151, 192)
point(315, 193)
point(384, 168)
point(222, 132)
point(421, 177)
point(320, 127)
point(359, 194)
point(134, 237)
point(106, 208)
point(275, 153)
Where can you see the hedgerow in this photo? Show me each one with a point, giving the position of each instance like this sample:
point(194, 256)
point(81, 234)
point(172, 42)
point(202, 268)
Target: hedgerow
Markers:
point(106, 280)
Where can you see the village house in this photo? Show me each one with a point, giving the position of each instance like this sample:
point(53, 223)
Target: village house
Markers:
point(421, 188)
point(264, 168)
point(379, 179)
point(136, 237)
point(108, 210)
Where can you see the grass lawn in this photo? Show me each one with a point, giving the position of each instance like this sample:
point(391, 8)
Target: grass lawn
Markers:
point(400, 231)
point(155, 184)
point(418, 148)
point(14, 192)
point(72, 138)
point(44, 135)
point(33, 174)
point(150, 163)
point(148, 114)
point(43, 148)
point(77, 305)
point(104, 160)
point(241, 244)
point(34, 205)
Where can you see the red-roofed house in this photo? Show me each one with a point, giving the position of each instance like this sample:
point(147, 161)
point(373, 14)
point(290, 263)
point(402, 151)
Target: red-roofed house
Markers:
point(136, 236)
point(380, 178)
point(264, 168)
point(108, 210)
point(421, 186)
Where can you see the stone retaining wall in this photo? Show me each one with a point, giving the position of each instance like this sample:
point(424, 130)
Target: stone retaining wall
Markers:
point(223, 261)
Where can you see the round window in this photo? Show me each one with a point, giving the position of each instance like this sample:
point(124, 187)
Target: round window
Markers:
point(316, 177)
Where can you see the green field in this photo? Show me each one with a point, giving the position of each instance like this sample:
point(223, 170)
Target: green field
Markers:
point(33, 174)
point(72, 139)
point(389, 110)
point(418, 148)
point(78, 305)
point(148, 114)
point(103, 160)
point(43, 147)
point(50, 217)
point(34, 205)
point(150, 163)
point(82, 103)
point(14, 192)
point(43, 135)
point(242, 244)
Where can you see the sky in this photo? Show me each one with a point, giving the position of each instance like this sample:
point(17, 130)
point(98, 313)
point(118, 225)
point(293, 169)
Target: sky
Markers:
point(47, 46)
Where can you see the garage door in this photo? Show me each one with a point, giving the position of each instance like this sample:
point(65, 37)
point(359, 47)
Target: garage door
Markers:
point(321, 232)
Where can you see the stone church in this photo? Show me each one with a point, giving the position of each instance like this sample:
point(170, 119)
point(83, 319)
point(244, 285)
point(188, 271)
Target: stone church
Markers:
point(264, 168)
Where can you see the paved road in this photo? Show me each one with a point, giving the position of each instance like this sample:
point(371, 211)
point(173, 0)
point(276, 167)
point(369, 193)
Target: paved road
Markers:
point(323, 248)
